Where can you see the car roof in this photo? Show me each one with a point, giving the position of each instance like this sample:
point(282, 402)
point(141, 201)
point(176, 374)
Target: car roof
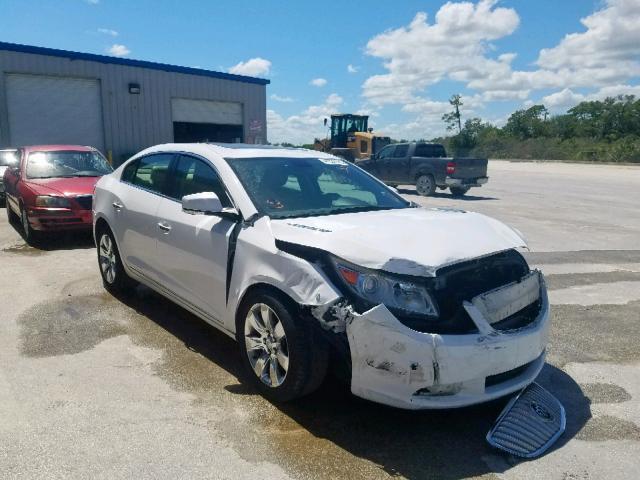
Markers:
point(238, 150)
point(54, 148)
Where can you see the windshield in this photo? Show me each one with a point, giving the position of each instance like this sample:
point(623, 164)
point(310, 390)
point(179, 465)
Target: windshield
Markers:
point(304, 187)
point(7, 158)
point(66, 164)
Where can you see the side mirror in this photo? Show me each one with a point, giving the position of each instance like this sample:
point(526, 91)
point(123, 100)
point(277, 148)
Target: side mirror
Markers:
point(207, 203)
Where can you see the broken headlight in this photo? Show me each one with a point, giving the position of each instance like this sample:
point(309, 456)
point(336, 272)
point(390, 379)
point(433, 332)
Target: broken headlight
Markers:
point(397, 294)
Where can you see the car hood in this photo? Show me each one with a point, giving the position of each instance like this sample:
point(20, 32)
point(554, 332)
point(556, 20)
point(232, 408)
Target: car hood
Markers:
point(411, 241)
point(69, 187)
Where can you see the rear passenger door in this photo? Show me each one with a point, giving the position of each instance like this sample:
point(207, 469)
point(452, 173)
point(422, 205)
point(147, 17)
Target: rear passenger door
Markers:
point(192, 249)
point(135, 203)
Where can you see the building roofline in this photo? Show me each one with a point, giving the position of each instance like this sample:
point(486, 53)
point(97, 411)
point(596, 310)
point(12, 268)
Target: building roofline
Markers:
point(91, 57)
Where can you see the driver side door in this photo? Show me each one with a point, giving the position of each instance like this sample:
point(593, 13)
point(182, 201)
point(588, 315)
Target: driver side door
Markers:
point(382, 166)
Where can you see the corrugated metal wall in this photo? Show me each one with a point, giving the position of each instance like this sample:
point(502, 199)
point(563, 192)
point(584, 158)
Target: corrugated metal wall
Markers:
point(133, 122)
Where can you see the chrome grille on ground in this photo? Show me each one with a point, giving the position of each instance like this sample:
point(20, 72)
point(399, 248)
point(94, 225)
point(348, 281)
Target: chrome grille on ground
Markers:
point(85, 201)
point(529, 424)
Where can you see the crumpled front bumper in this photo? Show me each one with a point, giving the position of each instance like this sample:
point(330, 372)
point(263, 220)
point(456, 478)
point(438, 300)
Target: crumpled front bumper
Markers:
point(400, 367)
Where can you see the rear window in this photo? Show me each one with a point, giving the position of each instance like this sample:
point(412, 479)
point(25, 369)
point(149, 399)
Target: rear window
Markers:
point(430, 150)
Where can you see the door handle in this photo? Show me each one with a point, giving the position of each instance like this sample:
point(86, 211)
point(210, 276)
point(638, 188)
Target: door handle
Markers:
point(164, 226)
point(117, 206)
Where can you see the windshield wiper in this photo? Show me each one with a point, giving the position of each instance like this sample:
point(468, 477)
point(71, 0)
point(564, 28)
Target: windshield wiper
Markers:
point(320, 213)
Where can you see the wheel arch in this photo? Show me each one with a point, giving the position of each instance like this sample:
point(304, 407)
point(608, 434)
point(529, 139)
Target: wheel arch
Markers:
point(422, 172)
point(266, 288)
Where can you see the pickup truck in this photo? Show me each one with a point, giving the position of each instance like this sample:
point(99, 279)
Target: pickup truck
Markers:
point(427, 166)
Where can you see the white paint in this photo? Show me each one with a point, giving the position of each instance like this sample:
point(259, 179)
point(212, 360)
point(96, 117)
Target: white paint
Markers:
point(615, 293)
point(408, 241)
point(391, 362)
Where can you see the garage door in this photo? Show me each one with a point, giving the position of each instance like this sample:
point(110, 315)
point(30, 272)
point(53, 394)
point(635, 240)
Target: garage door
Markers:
point(54, 110)
point(206, 111)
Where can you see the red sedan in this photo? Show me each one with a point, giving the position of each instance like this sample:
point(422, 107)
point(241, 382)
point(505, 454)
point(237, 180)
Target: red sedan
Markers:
point(51, 188)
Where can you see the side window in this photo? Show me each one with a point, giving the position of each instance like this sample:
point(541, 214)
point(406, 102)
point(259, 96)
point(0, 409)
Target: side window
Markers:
point(386, 152)
point(195, 176)
point(401, 151)
point(152, 172)
point(129, 172)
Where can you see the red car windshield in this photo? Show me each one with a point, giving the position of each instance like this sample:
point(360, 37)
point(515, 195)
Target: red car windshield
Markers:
point(66, 164)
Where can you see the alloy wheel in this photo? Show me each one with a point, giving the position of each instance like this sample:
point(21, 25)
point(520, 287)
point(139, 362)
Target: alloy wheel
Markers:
point(107, 258)
point(266, 345)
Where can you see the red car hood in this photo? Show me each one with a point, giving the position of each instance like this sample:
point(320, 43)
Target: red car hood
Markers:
point(70, 187)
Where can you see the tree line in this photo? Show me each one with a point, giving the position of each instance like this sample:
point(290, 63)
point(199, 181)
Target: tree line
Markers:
point(599, 130)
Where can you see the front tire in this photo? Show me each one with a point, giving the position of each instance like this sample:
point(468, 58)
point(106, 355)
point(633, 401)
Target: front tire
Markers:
point(425, 185)
point(12, 218)
point(458, 191)
point(283, 356)
point(114, 278)
point(30, 235)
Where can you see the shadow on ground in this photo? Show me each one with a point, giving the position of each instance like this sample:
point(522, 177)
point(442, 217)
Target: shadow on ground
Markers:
point(49, 241)
point(425, 444)
point(466, 198)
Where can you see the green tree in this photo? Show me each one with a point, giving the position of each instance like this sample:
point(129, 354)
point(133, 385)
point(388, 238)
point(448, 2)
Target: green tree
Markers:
point(453, 119)
point(529, 123)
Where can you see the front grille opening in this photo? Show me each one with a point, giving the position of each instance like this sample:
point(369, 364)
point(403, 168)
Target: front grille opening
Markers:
point(463, 281)
point(520, 319)
point(499, 378)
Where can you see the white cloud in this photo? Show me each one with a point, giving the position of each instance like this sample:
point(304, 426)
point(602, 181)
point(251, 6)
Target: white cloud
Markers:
point(424, 53)
point(108, 31)
point(305, 126)
point(566, 98)
point(118, 50)
point(460, 44)
point(278, 98)
point(318, 82)
point(352, 68)
point(252, 67)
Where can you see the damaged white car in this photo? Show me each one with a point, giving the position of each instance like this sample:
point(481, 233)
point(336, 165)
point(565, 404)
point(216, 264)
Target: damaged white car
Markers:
point(306, 259)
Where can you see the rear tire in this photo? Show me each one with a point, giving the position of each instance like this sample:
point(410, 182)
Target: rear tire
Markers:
point(425, 185)
point(114, 277)
point(282, 355)
point(458, 191)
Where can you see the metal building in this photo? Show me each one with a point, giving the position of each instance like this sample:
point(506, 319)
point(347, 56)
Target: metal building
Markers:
point(121, 106)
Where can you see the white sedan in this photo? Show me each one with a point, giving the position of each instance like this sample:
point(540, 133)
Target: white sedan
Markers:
point(303, 257)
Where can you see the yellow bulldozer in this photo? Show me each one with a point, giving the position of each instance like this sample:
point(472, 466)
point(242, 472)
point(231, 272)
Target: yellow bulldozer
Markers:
point(351, 138)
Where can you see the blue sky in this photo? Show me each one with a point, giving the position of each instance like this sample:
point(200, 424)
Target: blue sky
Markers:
point(405, 65)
